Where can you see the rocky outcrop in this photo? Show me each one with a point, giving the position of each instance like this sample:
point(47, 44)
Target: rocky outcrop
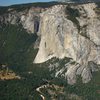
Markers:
point(28, 18)
point(74, 32)
point(31, 20)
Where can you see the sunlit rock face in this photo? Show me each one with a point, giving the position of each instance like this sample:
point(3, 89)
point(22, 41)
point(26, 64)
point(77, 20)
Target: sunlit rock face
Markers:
point(73, 32)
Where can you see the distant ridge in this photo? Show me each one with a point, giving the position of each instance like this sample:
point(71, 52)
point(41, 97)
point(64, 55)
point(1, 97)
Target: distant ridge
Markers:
point(79, 1)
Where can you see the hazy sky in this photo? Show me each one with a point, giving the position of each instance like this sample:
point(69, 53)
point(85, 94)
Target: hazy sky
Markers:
point(10, 2)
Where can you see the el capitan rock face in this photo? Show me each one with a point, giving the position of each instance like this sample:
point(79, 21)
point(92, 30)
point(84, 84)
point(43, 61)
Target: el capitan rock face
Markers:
point(71, 30)
point(64, 34)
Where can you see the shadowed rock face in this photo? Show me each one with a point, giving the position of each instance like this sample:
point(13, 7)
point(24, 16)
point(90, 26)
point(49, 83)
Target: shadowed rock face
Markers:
point(71, 31)
point(76, 37)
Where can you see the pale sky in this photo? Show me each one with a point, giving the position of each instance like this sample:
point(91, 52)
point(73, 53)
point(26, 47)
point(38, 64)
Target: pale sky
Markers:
point(11, 2)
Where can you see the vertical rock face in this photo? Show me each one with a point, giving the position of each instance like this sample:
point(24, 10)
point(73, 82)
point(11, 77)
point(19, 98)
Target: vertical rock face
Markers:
point(73, 32)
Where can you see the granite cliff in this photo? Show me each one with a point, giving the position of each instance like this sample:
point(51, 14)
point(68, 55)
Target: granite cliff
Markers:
point(64, 30)
point(73, 32)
